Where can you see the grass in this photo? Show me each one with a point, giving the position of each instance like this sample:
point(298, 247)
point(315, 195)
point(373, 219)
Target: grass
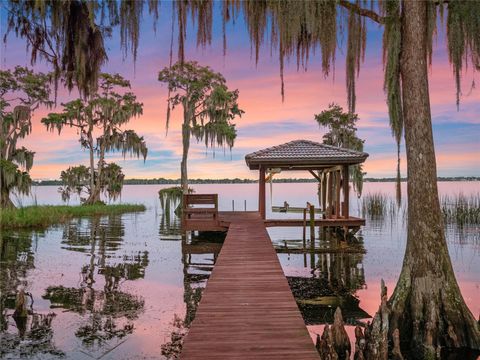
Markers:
point(44, 216)
point(374, 204)
point(457, 209)
point(461, 209)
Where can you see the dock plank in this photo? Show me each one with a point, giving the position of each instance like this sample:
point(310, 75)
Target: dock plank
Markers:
point(247, 310)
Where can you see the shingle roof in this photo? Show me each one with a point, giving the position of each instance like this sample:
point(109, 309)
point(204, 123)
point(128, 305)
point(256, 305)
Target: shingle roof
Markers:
point(304, 153)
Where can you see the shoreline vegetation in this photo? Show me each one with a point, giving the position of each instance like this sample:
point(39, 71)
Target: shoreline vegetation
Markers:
point(42, 216)
point(163, 181)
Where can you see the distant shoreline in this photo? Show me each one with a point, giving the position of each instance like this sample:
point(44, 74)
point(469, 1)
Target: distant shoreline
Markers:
point(162, 181)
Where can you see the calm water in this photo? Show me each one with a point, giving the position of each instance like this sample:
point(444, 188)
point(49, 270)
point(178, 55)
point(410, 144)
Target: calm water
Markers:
point(125, 287)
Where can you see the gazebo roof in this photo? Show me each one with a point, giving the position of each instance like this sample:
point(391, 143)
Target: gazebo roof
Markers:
point(303, 154)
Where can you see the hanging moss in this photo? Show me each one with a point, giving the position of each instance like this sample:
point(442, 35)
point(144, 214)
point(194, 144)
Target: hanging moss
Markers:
point(463, 27)
point(356, 44)
point(392, 45)
point(70, 34)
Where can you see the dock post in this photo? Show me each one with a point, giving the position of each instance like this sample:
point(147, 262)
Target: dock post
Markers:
point(261, 192)
point(330, 195)
point(346, 192)
point(337, 200)
point(245, 204)
point(304, 227)
point(233, 205)
point(312, 222)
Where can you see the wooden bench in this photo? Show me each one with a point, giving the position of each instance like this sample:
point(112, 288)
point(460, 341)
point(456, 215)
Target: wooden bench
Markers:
point(200, 212)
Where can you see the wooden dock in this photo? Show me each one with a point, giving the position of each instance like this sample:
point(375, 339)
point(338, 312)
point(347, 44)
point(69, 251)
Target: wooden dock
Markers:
point(247, 310)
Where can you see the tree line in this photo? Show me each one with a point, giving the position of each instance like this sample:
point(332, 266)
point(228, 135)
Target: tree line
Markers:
point(164, 181)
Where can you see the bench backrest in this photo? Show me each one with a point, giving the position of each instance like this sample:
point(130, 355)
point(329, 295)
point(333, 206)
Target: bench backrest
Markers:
point(200, 199)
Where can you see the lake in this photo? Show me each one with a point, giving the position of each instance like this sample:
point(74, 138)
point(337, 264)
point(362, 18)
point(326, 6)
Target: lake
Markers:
point(127, 286)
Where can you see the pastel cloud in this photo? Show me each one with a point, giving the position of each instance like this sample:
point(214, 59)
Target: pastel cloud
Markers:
point(267, 121)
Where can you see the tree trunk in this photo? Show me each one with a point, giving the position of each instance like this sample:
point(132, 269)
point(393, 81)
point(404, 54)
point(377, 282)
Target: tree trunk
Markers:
point(5, 201)
point(186, 146)
point(427, 306)
point(188, 112)
point(94, 182)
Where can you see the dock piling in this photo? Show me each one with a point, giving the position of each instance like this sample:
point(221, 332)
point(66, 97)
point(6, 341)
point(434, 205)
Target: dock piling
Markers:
point(312, 222)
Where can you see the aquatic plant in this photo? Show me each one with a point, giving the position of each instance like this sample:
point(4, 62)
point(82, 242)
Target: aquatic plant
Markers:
point(375, 205)
point(461, 209)
point(171, 198)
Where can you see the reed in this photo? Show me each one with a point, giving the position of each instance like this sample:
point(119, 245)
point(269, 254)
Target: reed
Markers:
point(461, 209)
point(375, 205)
point(44, 216)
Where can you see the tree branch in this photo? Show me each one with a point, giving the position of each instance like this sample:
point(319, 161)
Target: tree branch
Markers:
point(362, 12)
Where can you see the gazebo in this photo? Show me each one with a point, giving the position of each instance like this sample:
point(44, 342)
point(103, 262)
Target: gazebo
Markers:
point(328, 164)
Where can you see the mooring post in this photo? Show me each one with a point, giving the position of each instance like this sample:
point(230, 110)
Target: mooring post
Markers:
point(233, 205)
point(245, 204)
point(304, 227)
point(312, 237)
point(312, 222)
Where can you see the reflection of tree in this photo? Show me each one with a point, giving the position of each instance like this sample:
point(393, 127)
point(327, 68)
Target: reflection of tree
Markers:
point(16, 258)
point(110, 310)
point(170, 224)
point(27, 333)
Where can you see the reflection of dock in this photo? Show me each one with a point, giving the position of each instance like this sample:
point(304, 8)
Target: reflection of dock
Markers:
point(247, 309)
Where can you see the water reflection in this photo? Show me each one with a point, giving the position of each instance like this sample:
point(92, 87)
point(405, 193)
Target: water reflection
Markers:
point(331, 275)
point(170, 225)
point(24, 331)
point(108, 312)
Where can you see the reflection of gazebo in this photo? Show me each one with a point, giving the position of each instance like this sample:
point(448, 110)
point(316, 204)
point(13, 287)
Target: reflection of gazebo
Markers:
point(328, 164)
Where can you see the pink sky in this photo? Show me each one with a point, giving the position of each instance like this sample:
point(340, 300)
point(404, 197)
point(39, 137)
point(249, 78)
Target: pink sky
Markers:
point(267, 121)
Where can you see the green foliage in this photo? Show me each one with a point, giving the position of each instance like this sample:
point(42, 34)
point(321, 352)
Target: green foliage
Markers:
point(343, 133)
point(106, 111)
point(44, 216)
point(171, 196)
point(22, 91)
point(207, 103)
point(76, 180)
point(208, 106)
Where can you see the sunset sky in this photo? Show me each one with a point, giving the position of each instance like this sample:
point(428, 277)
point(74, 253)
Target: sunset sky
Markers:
point(267, 121)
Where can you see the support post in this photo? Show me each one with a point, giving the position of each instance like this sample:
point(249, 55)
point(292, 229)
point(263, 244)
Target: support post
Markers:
point(304, 228)
point(337, 194)
point(261, 192)
point(324, 194)
point(312, 222)
point(329, 196)
point(346, 192)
